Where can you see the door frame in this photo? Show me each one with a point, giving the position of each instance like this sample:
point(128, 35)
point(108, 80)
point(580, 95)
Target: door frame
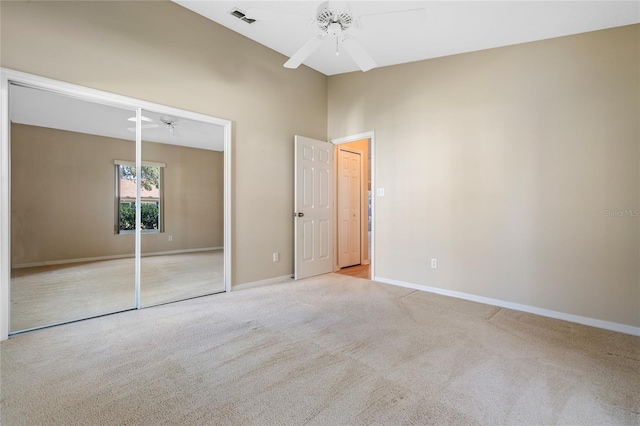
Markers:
point(372, 168)
point(8, 76)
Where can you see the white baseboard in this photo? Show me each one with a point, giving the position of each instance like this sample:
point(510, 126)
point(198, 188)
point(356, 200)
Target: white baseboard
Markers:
point(111, 257)
point(274, 280)
point(621, 328)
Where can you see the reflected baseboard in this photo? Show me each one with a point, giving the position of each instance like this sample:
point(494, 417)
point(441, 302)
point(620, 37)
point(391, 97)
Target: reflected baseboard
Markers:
point(111, 257)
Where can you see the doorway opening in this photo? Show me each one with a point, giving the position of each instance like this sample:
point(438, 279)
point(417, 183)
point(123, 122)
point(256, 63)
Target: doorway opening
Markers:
point(354, 205)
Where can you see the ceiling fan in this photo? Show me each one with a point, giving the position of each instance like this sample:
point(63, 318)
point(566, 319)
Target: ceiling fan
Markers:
point(147, 123)
point(332, 22)
point(169, 123)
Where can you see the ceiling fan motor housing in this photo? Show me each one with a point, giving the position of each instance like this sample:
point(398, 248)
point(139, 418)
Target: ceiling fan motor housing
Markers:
point(327, 16)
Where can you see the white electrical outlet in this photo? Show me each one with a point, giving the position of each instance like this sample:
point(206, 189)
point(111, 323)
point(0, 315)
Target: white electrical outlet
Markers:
point(170, 237)
point(434, 263)
point(380, 192)
point(276, 256)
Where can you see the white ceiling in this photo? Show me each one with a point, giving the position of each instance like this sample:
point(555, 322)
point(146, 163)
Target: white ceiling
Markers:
point(46, 109)
point(449, 28)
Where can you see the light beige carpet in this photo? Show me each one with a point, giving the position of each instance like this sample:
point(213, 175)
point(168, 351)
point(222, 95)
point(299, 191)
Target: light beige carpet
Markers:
point(329, 350)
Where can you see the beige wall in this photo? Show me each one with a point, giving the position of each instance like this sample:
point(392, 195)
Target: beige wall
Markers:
point(164, 53)
point(503, 164)
point(63, 196)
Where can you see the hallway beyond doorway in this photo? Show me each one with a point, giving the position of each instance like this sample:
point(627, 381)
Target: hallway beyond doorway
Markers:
point(358, 271)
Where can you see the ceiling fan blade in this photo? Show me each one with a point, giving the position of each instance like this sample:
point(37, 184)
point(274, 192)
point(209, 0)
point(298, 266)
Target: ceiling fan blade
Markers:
point(358, 54)
point(144, 126)
point(304, 52)
point(322, 7)
point(143, 118)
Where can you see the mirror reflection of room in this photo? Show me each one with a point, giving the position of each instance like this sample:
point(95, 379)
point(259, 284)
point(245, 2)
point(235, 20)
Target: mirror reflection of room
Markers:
point(65, 262)
point(182, 256)
point(73, 210)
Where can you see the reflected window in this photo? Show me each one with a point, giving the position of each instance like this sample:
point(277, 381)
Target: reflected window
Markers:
point(151, 198)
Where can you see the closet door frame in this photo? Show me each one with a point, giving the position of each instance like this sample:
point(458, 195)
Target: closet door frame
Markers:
point(8, 77)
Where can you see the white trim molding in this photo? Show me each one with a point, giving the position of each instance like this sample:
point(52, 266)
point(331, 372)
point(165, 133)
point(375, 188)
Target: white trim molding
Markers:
point(274, 280)
point(144, 163)
point(5, 210)
point(353, 138)
point(592, 322)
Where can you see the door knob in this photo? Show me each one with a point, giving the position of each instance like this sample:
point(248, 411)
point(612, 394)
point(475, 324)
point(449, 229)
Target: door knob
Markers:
point(300, 214)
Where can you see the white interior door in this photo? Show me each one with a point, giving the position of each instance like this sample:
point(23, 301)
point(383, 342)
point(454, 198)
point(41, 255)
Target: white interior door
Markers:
point(349, 207)
point(313, 204)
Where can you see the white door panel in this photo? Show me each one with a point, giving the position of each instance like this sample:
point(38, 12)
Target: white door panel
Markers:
point(349, 207)
point(313, 207)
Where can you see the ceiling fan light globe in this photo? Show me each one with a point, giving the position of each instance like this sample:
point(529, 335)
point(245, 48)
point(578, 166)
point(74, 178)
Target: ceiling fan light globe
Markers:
point(334, 29)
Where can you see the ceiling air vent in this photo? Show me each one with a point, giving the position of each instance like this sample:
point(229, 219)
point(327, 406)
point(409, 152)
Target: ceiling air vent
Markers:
point(240, 15)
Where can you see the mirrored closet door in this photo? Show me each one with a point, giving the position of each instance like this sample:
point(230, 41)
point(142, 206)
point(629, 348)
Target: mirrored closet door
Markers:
point(112, 203)
point(68, 262)
point(182, 214)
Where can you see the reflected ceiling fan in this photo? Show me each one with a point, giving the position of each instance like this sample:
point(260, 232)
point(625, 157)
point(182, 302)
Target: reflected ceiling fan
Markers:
point(169, 123)
point(335, 23)
point(147, 123)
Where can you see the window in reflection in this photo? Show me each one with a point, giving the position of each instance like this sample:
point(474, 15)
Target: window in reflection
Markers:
point(151, 198)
